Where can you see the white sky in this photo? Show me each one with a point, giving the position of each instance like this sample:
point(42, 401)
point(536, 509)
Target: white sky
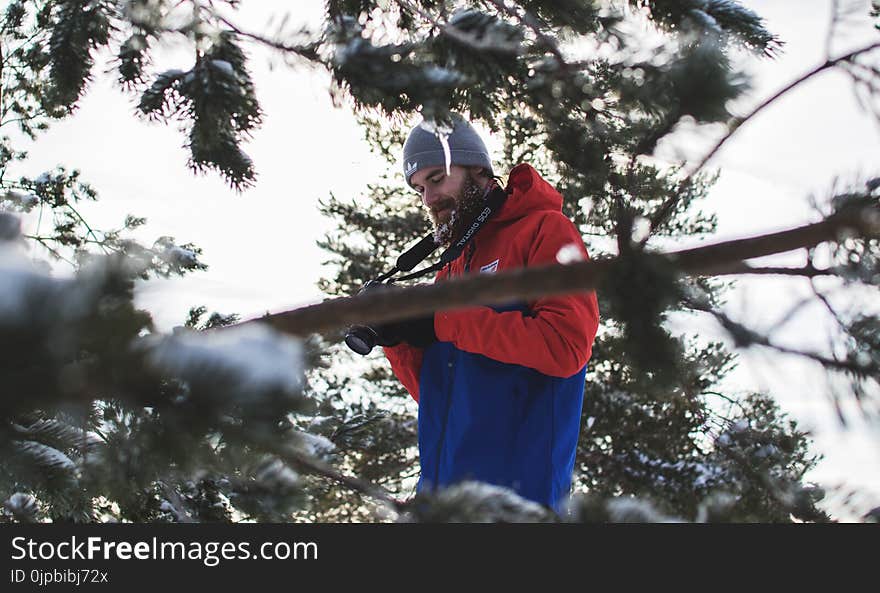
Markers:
point(261, 245)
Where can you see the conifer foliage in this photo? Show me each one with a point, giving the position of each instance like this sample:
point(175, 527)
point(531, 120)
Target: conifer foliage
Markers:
point(103, 418)
point(654, 424)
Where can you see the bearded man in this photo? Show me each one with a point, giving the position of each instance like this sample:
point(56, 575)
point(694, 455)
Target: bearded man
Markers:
point(499, 388)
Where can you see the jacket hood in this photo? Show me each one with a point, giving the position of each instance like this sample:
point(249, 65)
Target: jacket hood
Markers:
point(530, 193)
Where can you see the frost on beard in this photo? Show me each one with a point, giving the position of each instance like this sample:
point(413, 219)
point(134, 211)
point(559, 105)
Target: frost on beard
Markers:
point(443, 233)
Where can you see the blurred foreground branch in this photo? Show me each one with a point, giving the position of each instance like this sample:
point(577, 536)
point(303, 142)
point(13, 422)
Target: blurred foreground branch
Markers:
point(531, 283)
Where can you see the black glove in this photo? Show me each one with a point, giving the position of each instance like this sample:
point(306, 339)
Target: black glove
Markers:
point(386, 335)
point(418, 332)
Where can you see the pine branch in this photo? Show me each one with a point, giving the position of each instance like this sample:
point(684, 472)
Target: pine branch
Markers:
point(532, 23)
point(44, 241)
point(88, 228)
point(297, 458)
point(178, 506)
point(447, 29)
point(531, 283)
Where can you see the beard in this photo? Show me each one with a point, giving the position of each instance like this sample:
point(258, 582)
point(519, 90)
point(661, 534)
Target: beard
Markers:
point(468, 203)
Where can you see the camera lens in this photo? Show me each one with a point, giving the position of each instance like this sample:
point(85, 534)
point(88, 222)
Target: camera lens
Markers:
point(361, 339)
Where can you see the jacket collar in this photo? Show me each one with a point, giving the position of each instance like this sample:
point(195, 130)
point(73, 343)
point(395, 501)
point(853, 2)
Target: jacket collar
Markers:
point(529, 193)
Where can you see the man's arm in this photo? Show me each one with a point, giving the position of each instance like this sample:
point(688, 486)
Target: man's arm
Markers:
point(406, 362)
point(555, 337)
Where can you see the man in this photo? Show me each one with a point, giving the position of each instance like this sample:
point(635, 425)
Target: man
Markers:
point(499, 388)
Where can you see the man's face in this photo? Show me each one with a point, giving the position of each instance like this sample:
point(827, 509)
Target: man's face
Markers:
point(450, 200)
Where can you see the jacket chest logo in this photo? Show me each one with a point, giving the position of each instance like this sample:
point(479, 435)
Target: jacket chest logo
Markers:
point(490, 268)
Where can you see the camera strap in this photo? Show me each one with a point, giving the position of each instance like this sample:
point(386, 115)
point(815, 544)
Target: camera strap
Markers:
point(421, 250)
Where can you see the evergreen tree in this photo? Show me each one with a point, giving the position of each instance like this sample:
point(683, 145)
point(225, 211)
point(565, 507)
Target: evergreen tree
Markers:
point(103, 418)
point(653, 425)
point(106, 419)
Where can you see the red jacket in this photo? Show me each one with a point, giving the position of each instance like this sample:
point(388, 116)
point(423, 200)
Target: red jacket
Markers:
point(557, 338)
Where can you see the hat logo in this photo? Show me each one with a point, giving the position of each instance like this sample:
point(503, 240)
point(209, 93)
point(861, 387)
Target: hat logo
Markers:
point(411, 167)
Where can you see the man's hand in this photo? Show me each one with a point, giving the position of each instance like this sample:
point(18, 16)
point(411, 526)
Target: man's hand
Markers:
point(386, 335)
point(418, 332)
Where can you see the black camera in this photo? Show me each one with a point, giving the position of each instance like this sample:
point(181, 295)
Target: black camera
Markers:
point(363, 338)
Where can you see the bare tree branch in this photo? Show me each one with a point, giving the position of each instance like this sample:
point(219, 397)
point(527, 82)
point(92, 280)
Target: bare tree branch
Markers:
point(531, 283)
point(744, 337)
point(308, 51)
point(824, 300)
point(739, 268)
point(666, 209)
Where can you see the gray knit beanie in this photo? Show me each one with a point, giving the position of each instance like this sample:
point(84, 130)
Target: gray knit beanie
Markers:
point(423, 149)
